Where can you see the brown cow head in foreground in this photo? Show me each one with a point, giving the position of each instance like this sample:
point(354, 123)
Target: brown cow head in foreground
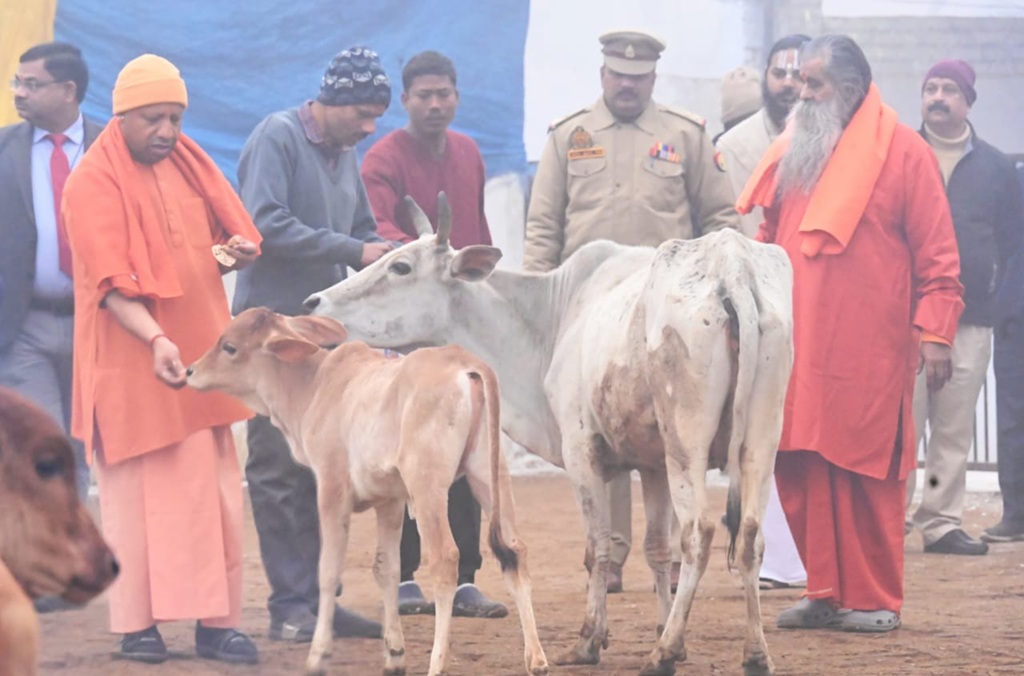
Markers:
point(48, 540)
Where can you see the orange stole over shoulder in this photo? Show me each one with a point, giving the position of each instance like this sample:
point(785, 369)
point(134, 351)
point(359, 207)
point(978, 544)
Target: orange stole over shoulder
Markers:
point(133, 232)
point(844, 189)
point(150, 271)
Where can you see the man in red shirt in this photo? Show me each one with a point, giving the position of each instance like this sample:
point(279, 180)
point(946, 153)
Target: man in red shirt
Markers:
point(857, 201)
point(422, 159)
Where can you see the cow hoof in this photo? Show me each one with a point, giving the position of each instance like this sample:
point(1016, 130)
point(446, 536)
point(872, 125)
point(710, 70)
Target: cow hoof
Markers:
point(662, 668)
point(540, 670)
point(758, 665)
point(575, 656)
point(394, 671)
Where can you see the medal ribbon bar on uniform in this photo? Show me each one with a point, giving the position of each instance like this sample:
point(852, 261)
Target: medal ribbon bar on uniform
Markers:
point(664, 151)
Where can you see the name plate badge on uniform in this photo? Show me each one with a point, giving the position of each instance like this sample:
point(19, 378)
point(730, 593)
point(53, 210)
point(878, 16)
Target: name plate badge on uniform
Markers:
point(581, 145)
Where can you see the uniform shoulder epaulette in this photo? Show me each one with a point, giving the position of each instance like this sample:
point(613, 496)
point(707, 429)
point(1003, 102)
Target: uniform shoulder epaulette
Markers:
point(686, 115)
point(562, 120)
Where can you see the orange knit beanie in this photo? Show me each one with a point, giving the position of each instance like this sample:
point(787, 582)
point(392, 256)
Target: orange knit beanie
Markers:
point(146, 80)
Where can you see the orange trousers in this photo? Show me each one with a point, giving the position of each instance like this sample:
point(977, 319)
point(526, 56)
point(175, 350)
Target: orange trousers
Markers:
point(174, 519)
point(848, 529)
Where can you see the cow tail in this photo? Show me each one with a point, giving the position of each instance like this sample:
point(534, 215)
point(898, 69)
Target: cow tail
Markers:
point(506, 556)
point(741, 307)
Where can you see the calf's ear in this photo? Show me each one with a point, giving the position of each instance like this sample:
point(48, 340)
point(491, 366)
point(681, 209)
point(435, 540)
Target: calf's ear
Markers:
point(475, 262)
point(322, 331)
point(289, 348)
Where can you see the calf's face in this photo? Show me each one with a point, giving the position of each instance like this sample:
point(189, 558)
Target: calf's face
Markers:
point(253, 346)
point(48, 540)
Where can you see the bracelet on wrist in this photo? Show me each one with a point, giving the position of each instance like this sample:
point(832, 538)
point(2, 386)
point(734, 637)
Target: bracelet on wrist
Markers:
point(154, 338)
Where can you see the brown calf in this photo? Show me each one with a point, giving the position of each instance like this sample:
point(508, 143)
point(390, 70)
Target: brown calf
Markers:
point(49, 545)
point(379, 432)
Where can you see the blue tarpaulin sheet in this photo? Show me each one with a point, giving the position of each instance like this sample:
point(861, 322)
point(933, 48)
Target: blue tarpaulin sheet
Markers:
point(244, 60)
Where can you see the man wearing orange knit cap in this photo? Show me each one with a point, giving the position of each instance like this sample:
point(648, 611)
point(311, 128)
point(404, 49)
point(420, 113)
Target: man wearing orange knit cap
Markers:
point(147, 211)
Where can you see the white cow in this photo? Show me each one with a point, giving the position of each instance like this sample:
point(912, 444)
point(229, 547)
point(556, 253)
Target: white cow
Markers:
point(669, 361)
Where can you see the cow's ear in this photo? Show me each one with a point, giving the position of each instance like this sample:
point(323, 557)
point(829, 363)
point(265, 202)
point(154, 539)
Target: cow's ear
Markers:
point(322, 331)
point(289, 348)
point(475, 262)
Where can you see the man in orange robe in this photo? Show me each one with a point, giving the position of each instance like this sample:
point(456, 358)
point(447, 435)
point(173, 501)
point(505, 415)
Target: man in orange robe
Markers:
point(857, 201)
point(144, 213)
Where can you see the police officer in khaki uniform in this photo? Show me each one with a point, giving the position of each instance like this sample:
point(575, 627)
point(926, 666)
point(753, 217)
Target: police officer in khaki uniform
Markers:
point(626, 168)
point(629, 170)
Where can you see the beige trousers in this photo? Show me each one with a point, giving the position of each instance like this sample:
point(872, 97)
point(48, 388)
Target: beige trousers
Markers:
point(950, 417)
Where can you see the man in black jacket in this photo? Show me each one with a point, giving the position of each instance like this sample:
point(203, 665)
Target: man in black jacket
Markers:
point(1009, 370)
point(985, 200)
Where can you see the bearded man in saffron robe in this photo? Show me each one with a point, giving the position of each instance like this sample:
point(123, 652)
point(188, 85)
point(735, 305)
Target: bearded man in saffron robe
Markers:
point(857, 201)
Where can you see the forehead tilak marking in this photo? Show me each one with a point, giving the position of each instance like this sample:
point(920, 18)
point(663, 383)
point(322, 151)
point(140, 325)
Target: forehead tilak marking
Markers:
point(788, 60)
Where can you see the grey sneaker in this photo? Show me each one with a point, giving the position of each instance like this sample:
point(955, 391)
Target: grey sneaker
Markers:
point(297, 630)
point(1003, 532)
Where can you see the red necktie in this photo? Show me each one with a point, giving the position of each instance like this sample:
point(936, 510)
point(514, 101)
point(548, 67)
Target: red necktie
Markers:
point(59, 171)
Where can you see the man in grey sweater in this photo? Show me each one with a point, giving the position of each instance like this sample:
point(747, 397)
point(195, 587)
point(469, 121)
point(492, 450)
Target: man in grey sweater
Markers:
point(300, 182)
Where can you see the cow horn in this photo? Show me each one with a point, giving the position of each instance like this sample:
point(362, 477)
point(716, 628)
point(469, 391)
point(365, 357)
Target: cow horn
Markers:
point(444, 219)
point(419, 219)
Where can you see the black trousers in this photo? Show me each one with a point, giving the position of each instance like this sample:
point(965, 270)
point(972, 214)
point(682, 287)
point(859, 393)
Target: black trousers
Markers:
point(283, 496)
point(464, 519)
point(1008, 365)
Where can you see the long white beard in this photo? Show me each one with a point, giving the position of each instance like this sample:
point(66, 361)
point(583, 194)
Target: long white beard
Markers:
point(817, 128)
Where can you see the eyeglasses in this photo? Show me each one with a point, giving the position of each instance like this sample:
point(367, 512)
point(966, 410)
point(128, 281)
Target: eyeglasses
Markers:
point(31, 85)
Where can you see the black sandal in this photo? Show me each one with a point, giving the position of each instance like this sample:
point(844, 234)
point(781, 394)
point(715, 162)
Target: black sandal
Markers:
point(144, 646)
point(226, 645)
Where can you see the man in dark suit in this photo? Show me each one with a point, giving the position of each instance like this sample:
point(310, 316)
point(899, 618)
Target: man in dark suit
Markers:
point(37, 308)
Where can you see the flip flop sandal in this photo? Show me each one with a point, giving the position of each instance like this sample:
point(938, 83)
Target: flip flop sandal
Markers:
point(866, 621)
point(144, 646)
point(807, 614)
point(225, 645)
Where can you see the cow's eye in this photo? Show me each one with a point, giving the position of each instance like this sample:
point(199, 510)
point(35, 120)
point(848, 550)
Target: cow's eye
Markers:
point(48, 468)
point(400, 268)
point(229, 348)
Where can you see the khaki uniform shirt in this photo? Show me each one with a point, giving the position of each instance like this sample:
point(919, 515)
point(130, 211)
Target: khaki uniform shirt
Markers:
point(637, 183)
point(742, 148)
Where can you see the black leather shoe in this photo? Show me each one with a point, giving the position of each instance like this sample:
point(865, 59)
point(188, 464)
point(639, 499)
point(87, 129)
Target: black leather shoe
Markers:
point(53, 604)
point(958, 542)
point(347, 624)
point(1003, 532)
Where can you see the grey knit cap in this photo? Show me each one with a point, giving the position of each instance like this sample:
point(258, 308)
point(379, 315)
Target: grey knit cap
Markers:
point(355, 77)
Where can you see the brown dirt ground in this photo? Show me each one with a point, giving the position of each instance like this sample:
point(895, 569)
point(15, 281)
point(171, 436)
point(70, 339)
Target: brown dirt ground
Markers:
point(963, 615)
